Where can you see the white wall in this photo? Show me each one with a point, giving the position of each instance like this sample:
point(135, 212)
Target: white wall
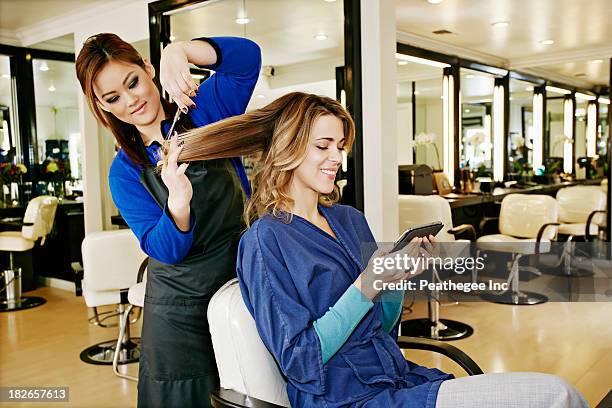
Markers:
point(404, 133)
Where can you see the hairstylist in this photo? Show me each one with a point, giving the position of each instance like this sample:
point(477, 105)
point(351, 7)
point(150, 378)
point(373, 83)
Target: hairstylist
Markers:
point(188, 218)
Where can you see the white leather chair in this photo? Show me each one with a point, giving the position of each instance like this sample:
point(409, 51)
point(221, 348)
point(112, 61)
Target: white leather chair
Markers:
point(111, 262)
point(527, 224)
point(581, 213)
point(37, 224)
point(249, 375)
point(420, 209)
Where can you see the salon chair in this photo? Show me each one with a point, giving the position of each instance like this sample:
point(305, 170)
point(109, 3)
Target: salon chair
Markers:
point(111, 264)
point(420, 209)
point(249, 374)
point(527, 224)
point(581, 213)
point(36, 225)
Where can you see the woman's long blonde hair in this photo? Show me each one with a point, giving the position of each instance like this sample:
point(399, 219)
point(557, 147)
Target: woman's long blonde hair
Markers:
point(277, 135)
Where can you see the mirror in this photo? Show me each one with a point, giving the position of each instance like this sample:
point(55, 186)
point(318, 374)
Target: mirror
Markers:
point(520, 132)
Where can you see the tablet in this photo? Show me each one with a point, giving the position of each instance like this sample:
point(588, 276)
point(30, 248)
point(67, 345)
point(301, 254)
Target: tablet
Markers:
point(420, 231)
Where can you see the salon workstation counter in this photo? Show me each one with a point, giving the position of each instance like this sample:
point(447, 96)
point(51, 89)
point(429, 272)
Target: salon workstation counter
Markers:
point(463, 200)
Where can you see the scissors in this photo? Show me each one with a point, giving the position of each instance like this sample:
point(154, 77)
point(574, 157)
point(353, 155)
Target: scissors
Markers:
point(176, 118)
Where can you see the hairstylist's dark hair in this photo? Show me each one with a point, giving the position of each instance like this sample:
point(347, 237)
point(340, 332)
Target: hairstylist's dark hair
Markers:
point(97, 51)
point(279, 134)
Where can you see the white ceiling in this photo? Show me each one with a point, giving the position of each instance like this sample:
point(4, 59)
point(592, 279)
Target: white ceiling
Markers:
point(18, 14)
point(576, 26)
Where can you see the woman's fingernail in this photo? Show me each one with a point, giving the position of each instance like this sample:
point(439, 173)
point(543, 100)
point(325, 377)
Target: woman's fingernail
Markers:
point(193, 105)
point(184, 110)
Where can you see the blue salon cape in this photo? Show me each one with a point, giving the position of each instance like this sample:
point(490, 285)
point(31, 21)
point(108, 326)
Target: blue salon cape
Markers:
point(226, 93)
point(290, 274)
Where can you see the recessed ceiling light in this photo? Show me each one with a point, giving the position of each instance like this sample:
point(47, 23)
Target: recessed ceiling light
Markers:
point(435, 1)
point(260, 96)
point(329, 1)
point(6, 76)
point(242, 20)
point(172, 38)
point(321, 36)
point(597, 61)
point(44, 66)
point(547, 42)
point(500, 24)
point(416, 92)
point(51, 88)
point(529, 88)
point(469, 76)
point(467, 111)
point(402, 62)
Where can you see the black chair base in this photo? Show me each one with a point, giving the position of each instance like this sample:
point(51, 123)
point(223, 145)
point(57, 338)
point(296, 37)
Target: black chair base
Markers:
point(26, 302)
point(515, 298)
point(446, 329)
point(103, 353)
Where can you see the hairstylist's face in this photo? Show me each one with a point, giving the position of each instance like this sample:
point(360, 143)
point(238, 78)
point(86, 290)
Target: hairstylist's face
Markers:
point(128, 92)
point(323, 156)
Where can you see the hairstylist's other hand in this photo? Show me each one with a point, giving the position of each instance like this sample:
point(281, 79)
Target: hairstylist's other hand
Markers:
point(174, 76)
point(376, 270)
point(179, 187)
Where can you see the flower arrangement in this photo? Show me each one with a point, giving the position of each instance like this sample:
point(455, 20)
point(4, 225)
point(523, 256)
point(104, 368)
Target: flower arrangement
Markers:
point(54, 170)
point(10, 172)
point(427, 139)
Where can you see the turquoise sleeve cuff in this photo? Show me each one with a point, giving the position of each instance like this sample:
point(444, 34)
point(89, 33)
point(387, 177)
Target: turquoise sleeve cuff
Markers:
point(337, 324)
point(392, 302)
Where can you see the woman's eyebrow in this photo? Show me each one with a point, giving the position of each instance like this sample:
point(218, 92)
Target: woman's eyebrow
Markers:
point(331, 139)
point(124, 81)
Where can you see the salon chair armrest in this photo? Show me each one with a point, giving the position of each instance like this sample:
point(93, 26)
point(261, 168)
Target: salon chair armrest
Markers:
point(222, 398)
point(142, 269)
point(468, 229)
point(77, 268)
point(489, 225)
point(587, 234)
point(450, 351)
point(541, 233)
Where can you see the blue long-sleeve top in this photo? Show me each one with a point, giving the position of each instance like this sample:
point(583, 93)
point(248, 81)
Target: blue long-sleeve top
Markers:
point(226, 93)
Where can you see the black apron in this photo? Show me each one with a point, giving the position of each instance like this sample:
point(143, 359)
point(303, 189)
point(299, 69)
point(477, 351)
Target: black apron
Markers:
point(177, 363)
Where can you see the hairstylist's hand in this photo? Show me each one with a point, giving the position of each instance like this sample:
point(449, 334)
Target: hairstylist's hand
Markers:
point(377, 270)
point(174, 76)
point(179, 187)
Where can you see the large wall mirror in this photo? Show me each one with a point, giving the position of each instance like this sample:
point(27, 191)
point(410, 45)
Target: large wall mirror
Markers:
point(520, 131)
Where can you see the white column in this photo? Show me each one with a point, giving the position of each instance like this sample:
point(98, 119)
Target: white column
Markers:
point(378, 45)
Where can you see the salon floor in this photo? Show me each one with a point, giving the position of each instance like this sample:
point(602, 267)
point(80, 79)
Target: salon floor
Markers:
point(40, 347)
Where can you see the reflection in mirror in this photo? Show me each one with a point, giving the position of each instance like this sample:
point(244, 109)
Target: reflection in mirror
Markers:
point(476, 121)
point(554, 130)
point(520, 132)
point(423, 143)
point(9, 135)
point(602, 127)
point(580, 136)
point(57, 126)
point(301, 41)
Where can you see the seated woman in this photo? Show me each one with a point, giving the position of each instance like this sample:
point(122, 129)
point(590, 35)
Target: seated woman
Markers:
point(306, 274)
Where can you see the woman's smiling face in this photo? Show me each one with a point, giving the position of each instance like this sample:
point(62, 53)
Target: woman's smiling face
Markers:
point(323, 156)
point(128, 92)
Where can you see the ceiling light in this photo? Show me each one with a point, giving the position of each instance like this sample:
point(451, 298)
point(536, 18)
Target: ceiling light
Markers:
point(44, 66)
point(585, 97)
point(597, 61)
point(603, 100)
point(51, 88)
point(529, 88)
point(418, 60)
point(6, 76)
point(172, 38)
point(329, 1)
point(260, 96)
point(416, 92)
point(547, 42)
point(501, 24)
point(558, 90)
point(467, 111)
point(435, 1)
point(402, 62)
point(242, 20)
point(321, 36)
